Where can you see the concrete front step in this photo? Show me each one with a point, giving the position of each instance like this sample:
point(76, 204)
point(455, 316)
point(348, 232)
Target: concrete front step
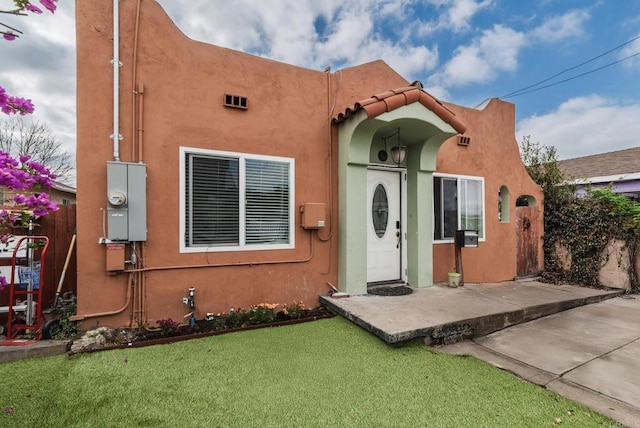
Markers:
point(443, 315)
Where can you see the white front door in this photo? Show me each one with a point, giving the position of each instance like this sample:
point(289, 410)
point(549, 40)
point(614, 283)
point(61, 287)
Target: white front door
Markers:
point(384, 231)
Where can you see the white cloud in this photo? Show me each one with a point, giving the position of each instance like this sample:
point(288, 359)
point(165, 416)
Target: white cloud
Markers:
point(409, 61)
point(460, 13)
point(584, 126)
point(496, 50)
point(562, 27)
point(456, 16)
point(350, 35)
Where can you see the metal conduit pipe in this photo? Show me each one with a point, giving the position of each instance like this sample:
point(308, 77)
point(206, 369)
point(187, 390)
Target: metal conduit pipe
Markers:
point(116, 81)
point(82, 317)
point(269, 262)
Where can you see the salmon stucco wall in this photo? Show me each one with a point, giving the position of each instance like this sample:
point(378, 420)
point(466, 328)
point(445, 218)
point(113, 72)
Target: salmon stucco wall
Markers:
point(492, 153)
point(171, 96)
point(180, 85)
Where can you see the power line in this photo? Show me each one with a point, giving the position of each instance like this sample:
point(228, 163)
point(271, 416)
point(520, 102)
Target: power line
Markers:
point(512, 94)
point(570, 78)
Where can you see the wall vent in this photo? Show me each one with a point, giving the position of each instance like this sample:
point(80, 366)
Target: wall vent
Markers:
point(463, 141)
point(235, 101)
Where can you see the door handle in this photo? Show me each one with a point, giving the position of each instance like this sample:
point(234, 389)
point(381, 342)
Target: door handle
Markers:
point(398, 234)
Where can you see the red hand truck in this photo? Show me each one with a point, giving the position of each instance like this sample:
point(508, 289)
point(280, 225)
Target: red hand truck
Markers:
point(27, 316)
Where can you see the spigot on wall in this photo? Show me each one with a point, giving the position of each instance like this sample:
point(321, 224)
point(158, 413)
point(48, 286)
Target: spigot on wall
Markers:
point(190, 300)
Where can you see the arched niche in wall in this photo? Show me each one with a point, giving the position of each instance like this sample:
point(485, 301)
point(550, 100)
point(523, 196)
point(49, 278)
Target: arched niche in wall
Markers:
point(526, 201)
point(504, 205)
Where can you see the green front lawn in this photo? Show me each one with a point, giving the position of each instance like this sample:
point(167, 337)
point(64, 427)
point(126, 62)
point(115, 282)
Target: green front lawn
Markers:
point(322, 373)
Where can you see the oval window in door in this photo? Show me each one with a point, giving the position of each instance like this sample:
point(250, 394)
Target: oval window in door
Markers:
point(380, 210)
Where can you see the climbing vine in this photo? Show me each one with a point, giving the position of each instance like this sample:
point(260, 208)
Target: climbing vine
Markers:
point(578, 229)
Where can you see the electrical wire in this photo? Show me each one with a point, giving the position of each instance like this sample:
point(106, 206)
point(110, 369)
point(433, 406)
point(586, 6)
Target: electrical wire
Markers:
point(572, 78)
point(512, 94)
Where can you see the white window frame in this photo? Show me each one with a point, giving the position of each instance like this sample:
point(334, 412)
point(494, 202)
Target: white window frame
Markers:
point(242, 157)
point(483, 236)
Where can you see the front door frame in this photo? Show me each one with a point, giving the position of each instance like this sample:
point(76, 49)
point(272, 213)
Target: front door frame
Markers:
point(402, 202)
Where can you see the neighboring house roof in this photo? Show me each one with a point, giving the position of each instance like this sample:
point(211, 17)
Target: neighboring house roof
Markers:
point(395, 98)
point(64, 188)
point(605, 167)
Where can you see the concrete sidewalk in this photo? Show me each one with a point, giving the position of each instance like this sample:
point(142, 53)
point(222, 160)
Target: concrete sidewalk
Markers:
point(589, 354)
point(41, 348)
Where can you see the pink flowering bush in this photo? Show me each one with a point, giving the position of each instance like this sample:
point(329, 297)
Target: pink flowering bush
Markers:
point(27, 180)
point(168, 327)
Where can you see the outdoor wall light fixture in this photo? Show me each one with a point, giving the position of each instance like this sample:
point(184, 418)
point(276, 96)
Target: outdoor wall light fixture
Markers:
point(398, 152)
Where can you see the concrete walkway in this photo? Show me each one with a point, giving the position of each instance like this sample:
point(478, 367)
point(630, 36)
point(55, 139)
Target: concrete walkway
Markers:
point(589, 354)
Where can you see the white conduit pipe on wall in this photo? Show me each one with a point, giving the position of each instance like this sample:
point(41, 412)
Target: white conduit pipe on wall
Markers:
point(116, 81)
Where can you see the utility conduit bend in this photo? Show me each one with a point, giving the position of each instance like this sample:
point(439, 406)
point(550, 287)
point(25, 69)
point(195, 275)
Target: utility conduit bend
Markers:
point(82, 317)
point(210, 265)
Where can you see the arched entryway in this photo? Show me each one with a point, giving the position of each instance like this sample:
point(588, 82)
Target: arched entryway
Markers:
point(406, 234)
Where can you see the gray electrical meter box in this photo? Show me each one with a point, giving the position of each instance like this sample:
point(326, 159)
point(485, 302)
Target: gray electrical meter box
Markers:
point(126, 201)
point(466, 238)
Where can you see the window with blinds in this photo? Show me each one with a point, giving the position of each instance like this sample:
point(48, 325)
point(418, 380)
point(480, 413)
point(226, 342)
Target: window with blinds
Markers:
point(237, 201)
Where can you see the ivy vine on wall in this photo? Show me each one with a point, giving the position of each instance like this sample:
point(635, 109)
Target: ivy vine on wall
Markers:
point(577, 229)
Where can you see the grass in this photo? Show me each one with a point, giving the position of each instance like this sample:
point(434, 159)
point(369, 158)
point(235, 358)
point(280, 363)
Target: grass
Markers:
point(324, 373)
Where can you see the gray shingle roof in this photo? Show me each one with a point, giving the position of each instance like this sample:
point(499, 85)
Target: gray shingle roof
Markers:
point(605, 164)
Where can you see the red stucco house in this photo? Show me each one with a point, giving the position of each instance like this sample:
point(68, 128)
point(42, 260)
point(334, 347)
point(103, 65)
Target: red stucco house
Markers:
point(256, 181)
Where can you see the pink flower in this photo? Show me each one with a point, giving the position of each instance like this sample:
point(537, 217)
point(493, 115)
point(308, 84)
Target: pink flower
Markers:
point(9, 36)
point(33, 8)
point(10, 104)
point(49, 4)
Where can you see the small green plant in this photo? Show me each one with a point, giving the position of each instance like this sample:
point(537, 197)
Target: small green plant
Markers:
point(66, 329)
point(262, 314)
point(237, 317)
point(295, 310)
point(168, 327)
point(216, 322)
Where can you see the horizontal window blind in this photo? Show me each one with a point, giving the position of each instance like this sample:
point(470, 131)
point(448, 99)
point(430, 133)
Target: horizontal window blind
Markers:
point(213, 201)
point(266, 202)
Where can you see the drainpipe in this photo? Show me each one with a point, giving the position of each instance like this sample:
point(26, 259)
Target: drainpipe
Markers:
point(116, 81)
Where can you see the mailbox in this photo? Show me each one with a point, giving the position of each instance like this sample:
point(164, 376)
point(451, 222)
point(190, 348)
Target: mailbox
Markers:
point(466, 238)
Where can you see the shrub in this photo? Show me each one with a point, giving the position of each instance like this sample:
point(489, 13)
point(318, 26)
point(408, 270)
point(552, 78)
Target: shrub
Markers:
point(295, 310)
point(168, 327)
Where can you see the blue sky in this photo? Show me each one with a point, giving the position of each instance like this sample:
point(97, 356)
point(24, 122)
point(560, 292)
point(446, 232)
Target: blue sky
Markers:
point(464, 51)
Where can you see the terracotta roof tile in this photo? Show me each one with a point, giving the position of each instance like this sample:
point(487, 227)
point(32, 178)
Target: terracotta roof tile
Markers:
point(602, 165)
point(390, 100)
